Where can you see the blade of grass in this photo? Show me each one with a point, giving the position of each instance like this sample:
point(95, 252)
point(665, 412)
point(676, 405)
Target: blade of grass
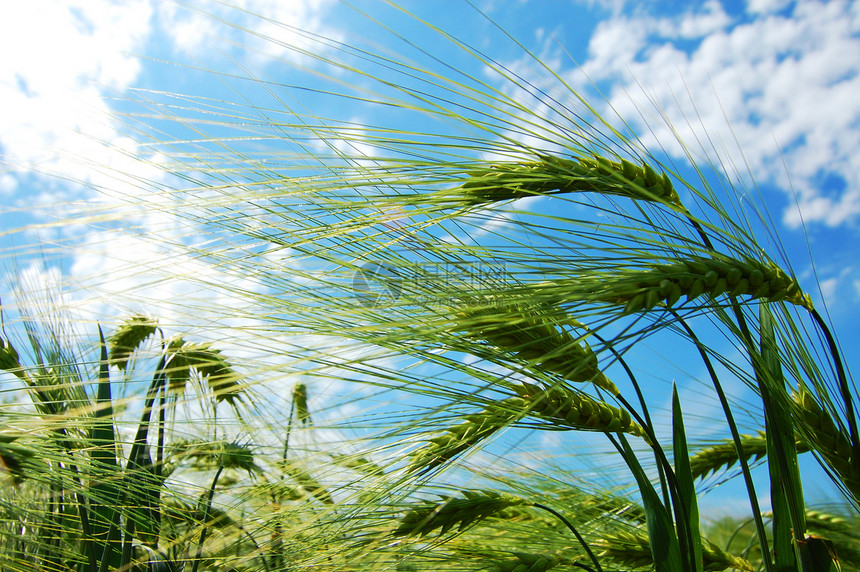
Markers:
point(664, 541)
point(104, 494)
point(686, 487)
point(736, 437)
point(789, 520)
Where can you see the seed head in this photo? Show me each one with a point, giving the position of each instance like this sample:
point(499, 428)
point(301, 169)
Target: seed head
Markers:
point(558, 175)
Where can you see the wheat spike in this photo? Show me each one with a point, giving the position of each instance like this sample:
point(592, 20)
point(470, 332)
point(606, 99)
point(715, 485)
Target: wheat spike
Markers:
point(823, 436)
point(571, 410)
point(533, 336)
point(564, 408)
point(128, 338)
point(526, 562)
point(558, 175)
point(300, 400)
point(452, 511)
point(184, 356)
point(307, 483)
point(816, 519)
point(459, 438)
point(633, 548)
point(616, 506)
point(665, 284)
point(9, 360)
point(725, 454)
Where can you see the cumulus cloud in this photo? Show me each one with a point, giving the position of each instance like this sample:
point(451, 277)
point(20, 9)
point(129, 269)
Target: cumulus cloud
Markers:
point(61, 58)
point(770, 87)
point(262, 31)
point(69, 62)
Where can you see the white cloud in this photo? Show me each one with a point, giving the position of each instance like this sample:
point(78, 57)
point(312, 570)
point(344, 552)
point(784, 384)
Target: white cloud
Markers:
point(772, 82)
point(755, 93)
point(70, 59)
point(7, 184)
point(67, 55)
point(263, 30)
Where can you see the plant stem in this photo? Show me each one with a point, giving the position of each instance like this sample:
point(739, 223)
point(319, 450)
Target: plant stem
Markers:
point(575, 533)
point(209, 497)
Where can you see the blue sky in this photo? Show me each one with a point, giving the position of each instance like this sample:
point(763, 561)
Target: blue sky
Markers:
point(776, 80)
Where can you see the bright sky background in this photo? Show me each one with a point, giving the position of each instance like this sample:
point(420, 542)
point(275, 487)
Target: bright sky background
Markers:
point(778, 79)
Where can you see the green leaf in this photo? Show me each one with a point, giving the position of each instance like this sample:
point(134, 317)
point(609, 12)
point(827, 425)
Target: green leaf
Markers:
point(104, 493)
point(661, 533)
point(789, 519)
point(688, 521)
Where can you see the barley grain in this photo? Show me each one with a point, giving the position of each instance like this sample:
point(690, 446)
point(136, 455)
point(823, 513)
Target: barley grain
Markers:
point(823, 436)
point(563, 408)
point(184, 356)
point(665, 284)
point(9, 360)
point(453, 511)
point(533, 336)
point(300, 400)
point(526, 562)
point(558, 175)
point(725, 454)
point(567, 409)
point(462, 437)
point(128, 338)
point(632, 548)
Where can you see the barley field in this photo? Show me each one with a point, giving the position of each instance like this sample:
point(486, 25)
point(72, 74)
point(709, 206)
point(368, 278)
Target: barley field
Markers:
point(373, 286)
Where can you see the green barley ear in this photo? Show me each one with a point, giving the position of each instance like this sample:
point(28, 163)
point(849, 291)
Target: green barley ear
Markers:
point(725, 455)
point(9, 360)
point(618, 507)
point(558, 175)
point(819, 520)
point(20, 461)
point(568, 409)
point(533, 336)
point(632, 549)
point(823, 436)
point(526, 562)
point(128, 338)
point(360, 464)
point(306, 482)
point(209, 454)
point(300, 399)
point(451, 512)
point(184, 356)
point(462, 437)
point(713, 276)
